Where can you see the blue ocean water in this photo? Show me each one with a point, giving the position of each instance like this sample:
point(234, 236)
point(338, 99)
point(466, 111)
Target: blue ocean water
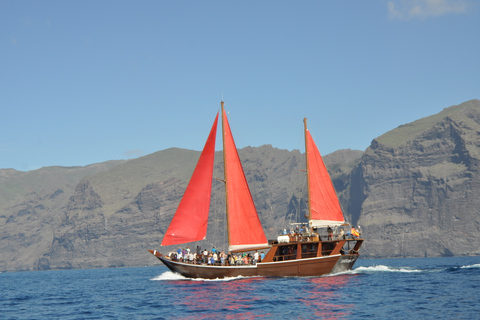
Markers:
point(428, 288)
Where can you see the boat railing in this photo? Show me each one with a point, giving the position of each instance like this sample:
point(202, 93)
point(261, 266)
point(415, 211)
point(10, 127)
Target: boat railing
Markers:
point(292, 238)
point(285, 257)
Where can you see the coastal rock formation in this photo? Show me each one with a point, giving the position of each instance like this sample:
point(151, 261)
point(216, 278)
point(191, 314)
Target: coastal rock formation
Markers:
point(415, 191)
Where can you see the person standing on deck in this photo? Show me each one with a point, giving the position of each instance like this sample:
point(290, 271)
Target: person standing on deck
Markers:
point(330, 233)
point(355, 233)
point(255, 257)
point(205, 256)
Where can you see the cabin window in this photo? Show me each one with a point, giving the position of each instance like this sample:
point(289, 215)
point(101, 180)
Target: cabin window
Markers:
point(286, 253)
point(327, 248)
point(309, 250)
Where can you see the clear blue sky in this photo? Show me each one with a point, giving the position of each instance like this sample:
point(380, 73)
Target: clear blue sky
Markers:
point(83, 82)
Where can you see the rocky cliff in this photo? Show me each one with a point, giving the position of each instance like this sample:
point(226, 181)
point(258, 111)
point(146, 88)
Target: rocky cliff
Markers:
point(415, 190)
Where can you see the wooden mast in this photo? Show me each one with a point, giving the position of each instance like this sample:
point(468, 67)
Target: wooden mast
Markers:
point(225, 173)
point(308, 174)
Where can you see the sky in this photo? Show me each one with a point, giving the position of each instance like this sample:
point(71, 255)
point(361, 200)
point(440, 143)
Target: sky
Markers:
point(83, 82)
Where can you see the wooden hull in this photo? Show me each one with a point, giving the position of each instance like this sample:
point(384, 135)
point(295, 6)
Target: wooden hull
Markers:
point(299, 267)
point(293, 268)
point(275, 264)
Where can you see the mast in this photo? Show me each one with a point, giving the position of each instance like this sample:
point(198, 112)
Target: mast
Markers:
point(225, 171)
point(308, 173)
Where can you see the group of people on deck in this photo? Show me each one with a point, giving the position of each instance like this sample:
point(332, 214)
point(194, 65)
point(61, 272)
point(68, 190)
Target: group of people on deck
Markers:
point(216, 257)
point(342, 233)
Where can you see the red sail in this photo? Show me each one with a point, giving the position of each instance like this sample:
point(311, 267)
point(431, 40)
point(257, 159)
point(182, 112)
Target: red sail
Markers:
point(245, 229)
point(191, 218)
point(324, 205)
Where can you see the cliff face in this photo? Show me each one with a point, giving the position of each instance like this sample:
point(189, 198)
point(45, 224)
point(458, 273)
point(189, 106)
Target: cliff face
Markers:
point(33, 208)
point(415, 191)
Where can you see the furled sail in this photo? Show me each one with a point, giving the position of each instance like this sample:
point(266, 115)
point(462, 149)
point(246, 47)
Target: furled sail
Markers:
point(245, 229)
point(325, 208)
point(191, 218)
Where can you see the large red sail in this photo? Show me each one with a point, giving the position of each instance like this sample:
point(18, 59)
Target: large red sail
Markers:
point(245, 229)
point(325, 208)
point(191, 218)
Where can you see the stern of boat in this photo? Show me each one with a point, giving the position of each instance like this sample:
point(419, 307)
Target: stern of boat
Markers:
point(345, 263)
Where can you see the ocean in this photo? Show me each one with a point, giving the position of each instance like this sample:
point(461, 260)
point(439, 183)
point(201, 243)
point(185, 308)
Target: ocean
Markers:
point(427, 288)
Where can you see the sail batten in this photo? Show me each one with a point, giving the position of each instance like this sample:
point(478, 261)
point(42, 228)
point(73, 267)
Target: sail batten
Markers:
point(324, 206)
point(191, 218)
point(247, 247)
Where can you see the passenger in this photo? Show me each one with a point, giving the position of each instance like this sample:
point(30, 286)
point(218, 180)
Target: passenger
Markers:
point(205, 256)
point(330, 233)
point(221, 258)
point(262, 256)
point(342, 234)
point(354, 232)
point(255, 257)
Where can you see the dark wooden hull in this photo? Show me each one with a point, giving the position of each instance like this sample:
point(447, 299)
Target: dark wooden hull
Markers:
point(279, 262)
point(292, 268)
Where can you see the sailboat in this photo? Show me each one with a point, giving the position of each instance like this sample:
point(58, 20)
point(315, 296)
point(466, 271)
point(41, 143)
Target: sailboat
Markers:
point(327, 245)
